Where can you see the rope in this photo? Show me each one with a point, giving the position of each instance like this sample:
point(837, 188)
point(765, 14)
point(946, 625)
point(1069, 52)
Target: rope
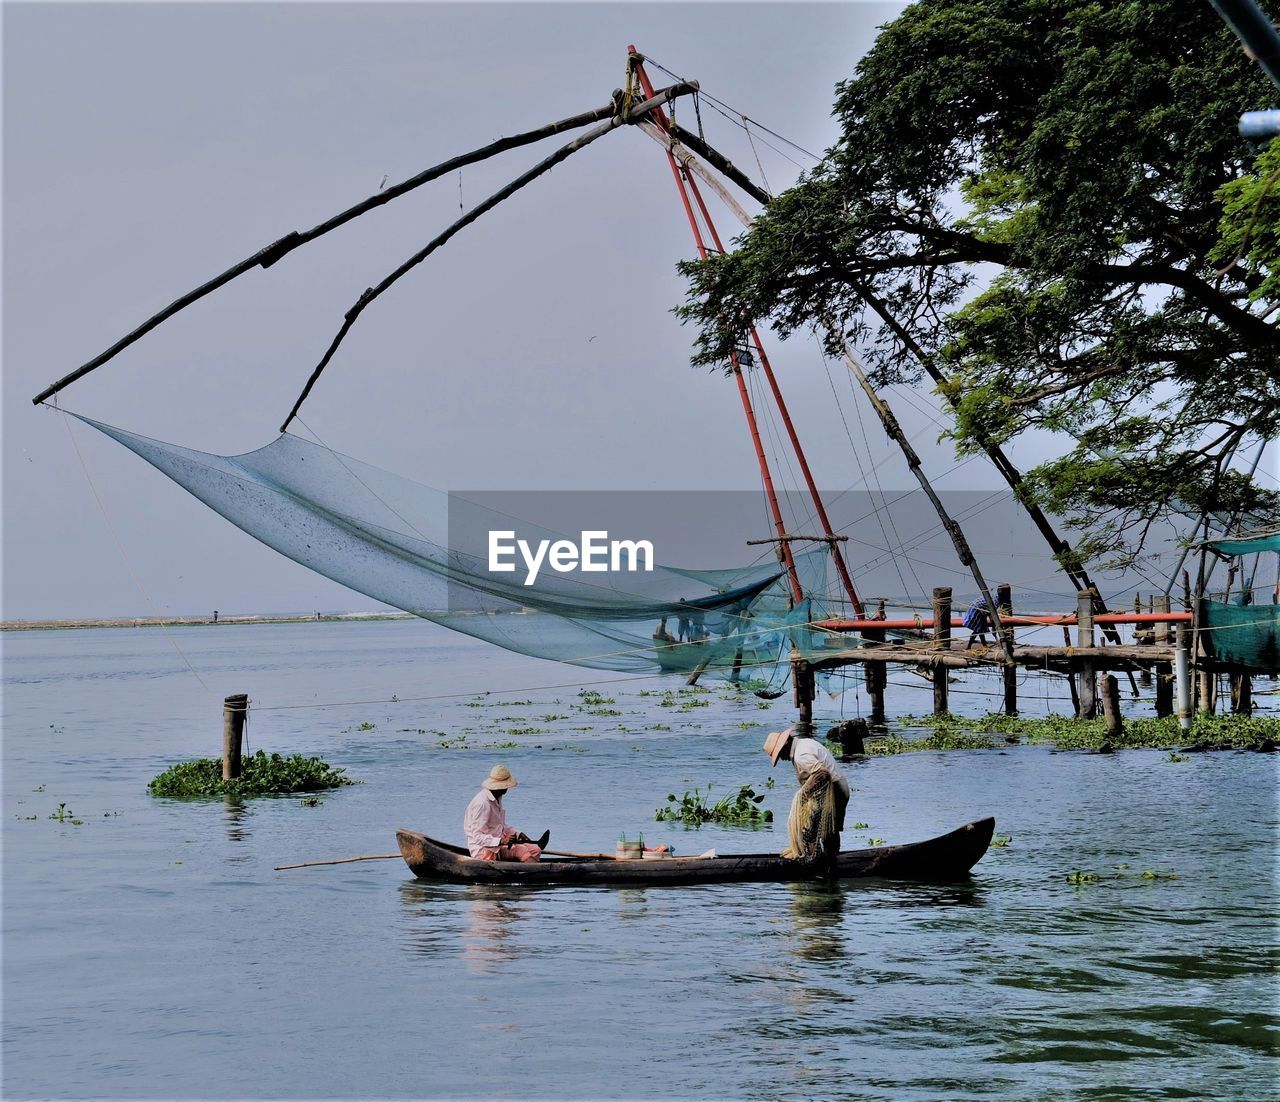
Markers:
point(124, 555)
point(737, 115)
point(750, 141)
point(448, 696)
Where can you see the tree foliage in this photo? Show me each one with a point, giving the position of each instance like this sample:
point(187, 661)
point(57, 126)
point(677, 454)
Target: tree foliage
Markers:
point(1044, 206)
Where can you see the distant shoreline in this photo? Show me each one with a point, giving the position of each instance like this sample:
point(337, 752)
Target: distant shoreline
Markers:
point(198, 621)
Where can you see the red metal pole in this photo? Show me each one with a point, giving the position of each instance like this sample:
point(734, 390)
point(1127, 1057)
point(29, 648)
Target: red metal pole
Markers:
point(784, 552)
point(841, 568)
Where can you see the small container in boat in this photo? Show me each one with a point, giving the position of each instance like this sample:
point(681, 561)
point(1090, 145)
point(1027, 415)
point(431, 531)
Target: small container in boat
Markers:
point(628, 851)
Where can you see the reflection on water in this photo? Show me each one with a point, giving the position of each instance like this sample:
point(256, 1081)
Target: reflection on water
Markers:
point(817, 916)
point(483, 923)
point(235, 815)
point(633, 904)
point(492, 933)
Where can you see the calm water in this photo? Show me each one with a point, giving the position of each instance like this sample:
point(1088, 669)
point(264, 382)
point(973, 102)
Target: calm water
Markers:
point(151, 952)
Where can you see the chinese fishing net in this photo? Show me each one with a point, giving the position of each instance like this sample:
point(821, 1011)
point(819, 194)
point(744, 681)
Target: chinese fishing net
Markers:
point(423, 551)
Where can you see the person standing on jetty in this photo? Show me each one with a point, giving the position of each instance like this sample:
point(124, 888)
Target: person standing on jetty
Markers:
point(817, 811)
point(485, 823)
point(978, 620)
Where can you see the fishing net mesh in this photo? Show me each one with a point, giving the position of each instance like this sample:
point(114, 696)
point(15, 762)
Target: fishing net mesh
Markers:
point(817, 815)
point(424, 551)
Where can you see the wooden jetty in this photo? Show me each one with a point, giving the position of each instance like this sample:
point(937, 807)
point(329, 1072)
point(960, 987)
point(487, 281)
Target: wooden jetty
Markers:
point(1161, 647)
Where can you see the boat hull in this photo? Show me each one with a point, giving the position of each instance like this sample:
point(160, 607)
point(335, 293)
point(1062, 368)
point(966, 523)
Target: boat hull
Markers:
point(947, 857)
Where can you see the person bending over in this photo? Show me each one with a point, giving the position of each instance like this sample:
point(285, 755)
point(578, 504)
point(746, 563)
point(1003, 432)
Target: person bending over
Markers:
point(817, 811)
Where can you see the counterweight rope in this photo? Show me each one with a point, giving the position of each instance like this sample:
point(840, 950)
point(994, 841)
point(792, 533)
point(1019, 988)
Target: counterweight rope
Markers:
point(124, 555)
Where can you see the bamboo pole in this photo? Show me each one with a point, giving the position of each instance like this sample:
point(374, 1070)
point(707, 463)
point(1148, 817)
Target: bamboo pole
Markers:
point(719, 162)
point(391, 856)
point(339, 861)
point(281, 248)
point(691, 164)
point(542, 167)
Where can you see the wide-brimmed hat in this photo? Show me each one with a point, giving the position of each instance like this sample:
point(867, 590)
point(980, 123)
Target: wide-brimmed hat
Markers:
point(776, 743)
point(499, 779)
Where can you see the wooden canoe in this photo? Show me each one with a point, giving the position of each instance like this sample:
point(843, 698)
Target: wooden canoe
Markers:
point(947, 857)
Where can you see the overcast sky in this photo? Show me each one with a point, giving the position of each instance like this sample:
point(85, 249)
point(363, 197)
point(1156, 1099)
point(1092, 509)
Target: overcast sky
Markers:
point(149, 146)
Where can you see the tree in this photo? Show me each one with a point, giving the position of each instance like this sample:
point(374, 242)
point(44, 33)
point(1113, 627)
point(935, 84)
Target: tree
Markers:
point(1044, 206)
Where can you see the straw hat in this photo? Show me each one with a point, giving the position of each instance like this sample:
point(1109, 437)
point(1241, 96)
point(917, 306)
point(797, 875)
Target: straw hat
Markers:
point(499, 778)
point(776, 743)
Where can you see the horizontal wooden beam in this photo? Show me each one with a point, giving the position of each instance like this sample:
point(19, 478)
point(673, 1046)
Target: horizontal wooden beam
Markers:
point(808, 539)
point(1068, 620)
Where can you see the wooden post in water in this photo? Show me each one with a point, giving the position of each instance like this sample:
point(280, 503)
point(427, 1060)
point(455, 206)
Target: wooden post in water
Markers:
point(1208, 697)
point(1004, 598)
point(1084, 643)
point(1074, 677)
point(235, 709)
point(1182, 677)
point(1164, 670)
point(1208, 694)
point(1143, 637)
point(1111, 706)
point(805, 690)
point(942, 639)
point(1241, 694)
point(877, 676)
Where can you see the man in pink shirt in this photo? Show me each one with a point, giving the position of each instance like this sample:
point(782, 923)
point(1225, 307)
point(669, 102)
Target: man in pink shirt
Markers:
point(485, 823)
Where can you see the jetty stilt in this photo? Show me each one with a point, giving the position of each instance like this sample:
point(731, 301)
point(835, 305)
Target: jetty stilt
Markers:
point(1182, 677)
point(1088, 686)
point(1164, 671)
point(942, 641)
point(1004, 598)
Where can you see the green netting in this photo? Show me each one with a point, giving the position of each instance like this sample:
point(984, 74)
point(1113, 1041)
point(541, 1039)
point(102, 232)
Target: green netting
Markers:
point(1244, 635)
point(1249, 546)
point(423, 551)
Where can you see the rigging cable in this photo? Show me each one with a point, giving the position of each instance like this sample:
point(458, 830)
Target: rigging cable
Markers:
point(740, 115)
point(125, 556)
